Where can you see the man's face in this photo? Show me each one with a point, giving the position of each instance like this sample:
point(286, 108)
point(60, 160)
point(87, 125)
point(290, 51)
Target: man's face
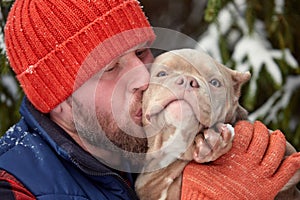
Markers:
point(109, 104)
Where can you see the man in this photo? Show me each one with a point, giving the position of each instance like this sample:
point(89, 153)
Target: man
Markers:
point(51, 46)
point(83, 67)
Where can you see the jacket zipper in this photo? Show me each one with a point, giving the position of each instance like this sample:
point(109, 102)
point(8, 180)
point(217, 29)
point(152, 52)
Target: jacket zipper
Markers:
point(93, 173)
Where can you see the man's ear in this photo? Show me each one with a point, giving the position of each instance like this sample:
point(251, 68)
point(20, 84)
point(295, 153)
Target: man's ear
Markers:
point(64, 107)
point(62, 114)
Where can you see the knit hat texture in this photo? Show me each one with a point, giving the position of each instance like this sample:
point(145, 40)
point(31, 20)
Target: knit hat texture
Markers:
point(48, 41)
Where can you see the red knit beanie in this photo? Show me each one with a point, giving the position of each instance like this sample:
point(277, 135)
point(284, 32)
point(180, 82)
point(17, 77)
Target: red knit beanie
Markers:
point(48, 41)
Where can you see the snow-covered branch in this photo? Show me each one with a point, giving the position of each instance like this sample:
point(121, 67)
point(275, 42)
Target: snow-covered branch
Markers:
point(279, 100)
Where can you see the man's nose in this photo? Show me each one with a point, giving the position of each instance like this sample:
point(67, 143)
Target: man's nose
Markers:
point(139, 75)
point(141, 78)
point(144, 87)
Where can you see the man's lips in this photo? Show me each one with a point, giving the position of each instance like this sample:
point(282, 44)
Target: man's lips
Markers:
point(136, 112)
point(139, 113)
point(137, 116)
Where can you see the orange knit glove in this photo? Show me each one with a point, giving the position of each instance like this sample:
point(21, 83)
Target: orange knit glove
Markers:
point(252, 169)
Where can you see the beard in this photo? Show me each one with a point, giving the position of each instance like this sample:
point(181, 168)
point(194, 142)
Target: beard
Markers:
point(122, 137)
point(101, 131)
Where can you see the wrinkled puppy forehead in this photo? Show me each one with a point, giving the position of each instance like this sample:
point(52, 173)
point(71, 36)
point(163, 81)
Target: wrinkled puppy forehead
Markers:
point(186, 59)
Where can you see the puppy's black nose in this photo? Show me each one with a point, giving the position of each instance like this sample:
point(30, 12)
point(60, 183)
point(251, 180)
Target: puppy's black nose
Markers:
point(187, 82)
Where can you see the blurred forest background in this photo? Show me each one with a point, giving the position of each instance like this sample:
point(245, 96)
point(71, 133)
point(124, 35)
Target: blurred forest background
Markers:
point(260, 36)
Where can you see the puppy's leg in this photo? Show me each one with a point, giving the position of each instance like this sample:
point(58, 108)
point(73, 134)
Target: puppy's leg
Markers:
point(213, 144)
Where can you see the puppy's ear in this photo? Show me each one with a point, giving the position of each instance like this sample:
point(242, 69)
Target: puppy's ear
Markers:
point(238, 79)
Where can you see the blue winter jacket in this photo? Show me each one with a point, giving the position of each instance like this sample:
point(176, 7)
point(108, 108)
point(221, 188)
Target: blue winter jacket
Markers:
point(52, 166)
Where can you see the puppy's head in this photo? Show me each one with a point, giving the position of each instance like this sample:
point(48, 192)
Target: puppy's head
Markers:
point(190, 89)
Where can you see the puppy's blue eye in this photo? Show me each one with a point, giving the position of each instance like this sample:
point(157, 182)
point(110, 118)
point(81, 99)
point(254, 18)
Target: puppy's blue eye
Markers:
point(215, 83)
point(161, 73)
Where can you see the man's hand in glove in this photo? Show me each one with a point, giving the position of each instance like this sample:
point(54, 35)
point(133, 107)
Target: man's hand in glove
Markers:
point(252, 169)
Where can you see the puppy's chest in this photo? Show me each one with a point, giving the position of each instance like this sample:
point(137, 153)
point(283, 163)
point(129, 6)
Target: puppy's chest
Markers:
point(169, 145)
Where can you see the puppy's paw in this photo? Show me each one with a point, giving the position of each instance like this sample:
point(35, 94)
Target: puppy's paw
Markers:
point(213, 144)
